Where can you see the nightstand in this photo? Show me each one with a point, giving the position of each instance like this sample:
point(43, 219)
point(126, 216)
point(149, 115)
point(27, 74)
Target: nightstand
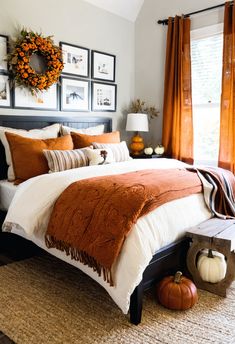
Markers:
point(145, 156)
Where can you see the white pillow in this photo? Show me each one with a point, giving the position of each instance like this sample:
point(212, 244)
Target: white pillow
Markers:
point(119, 150)
point(99, 156)
point(49, 132)
point(98, 130)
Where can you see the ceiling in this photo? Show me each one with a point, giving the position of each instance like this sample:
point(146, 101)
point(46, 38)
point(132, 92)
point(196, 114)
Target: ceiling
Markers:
point(128, 9)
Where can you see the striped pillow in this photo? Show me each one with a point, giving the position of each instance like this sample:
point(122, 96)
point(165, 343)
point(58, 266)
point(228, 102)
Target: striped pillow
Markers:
point(62, 160)
point(119, 150)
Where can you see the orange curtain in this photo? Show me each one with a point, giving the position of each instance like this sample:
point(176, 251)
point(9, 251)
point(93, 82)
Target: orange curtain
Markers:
point(227, 117)
point(177, 110)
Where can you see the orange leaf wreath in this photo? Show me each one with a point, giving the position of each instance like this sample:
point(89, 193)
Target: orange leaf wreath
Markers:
point(26, 45)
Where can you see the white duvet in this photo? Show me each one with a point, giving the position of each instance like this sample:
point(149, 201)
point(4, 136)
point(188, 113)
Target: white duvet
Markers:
point(32, 205)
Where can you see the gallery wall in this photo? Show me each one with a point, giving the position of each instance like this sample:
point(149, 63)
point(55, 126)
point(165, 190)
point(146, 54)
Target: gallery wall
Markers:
point(139, 47)
point(83, 24)
point(150, 39)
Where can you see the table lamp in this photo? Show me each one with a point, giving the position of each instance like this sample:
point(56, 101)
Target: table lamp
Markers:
point(137, 122)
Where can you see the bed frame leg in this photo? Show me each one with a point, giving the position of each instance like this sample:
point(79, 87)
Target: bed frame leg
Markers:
point(136, 304)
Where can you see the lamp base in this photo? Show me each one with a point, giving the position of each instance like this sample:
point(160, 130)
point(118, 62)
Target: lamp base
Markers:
point(137, 145)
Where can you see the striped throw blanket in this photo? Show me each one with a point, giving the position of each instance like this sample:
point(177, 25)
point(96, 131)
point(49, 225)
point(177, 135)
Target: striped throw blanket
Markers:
point(219, 190)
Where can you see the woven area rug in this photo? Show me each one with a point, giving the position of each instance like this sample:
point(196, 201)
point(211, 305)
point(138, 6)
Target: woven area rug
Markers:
point(43, 300)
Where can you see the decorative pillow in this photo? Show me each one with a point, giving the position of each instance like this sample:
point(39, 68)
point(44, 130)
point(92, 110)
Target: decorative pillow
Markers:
point(51, 131)
point(61, 160)
point(99, 156)
point(82, 140)
point(120, 150)
point(27, 154)
point(98, 130)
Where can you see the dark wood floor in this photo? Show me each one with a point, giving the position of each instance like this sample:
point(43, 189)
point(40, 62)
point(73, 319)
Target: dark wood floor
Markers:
point(12, 249)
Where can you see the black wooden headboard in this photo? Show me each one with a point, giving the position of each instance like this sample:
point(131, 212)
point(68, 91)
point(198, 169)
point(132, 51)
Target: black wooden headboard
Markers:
point(37, 122)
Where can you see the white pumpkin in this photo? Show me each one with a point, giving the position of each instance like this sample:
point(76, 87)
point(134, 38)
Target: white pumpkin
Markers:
point(159, 150)
point(148, 150)
point(212, 266)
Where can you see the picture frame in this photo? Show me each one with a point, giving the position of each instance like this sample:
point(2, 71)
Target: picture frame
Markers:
point(75, 94)
point(5, 91)
point(76, 60)
point(103, 66)
point(104, 97)
point(45, 100)
point(3, 53)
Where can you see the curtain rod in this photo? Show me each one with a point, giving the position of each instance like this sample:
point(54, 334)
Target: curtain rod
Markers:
point(165, 21)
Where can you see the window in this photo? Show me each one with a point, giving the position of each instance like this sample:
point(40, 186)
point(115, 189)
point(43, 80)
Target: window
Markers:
point(206, 55)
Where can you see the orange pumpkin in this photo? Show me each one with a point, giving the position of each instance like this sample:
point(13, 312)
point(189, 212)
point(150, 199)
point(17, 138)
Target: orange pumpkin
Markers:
point(177, 292)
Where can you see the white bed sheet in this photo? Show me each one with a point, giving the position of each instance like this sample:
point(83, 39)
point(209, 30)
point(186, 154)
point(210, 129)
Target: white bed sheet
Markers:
point(32, 205)
point(7, 192)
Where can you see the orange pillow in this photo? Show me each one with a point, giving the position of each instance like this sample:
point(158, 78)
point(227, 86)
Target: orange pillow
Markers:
point(82, 140)
point(27, 154)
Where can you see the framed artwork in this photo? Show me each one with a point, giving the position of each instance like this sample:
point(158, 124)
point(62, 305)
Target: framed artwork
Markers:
point(76, 60)
point(103, 66)
point(75, 94)
point(104, 96)
point(3, 53)
point(5, 91)
point(45, 100)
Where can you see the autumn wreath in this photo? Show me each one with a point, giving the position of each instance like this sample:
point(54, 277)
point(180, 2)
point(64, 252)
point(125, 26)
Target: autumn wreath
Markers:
point(25, 47)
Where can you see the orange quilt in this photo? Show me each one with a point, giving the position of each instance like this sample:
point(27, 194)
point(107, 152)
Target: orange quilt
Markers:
point(92, 217)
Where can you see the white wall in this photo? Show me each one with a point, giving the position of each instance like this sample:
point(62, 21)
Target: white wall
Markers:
point(150, 39)
point(77, 22)
point(139, 47)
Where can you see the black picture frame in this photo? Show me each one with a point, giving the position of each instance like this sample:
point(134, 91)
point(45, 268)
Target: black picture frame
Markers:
point(79, 68)
point(103, 66)
point(5, 91)
point(4, 40)
point(79, 103)
point(103, 97)
point(23, 99)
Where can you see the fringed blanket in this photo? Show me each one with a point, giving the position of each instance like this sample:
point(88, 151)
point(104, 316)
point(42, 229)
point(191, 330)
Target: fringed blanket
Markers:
point(92, 217)
point(218, 190)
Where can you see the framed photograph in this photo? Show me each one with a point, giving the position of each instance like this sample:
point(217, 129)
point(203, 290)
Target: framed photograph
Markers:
point(75, 94)
point(5, 92)
point(45, 100)
point(104, 96)
point(3, 53)
point(76, 60)
point(103, 66)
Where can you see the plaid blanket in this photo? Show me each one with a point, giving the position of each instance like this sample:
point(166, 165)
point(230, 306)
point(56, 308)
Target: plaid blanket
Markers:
point(219, 190)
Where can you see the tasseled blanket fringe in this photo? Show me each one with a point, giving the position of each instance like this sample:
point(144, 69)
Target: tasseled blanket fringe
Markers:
point(81, 256)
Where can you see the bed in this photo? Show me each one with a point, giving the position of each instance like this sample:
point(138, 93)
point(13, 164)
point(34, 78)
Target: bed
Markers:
point(7, 192)
point(168, 258)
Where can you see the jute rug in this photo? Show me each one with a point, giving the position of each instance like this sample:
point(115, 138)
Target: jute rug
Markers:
point(43, 300)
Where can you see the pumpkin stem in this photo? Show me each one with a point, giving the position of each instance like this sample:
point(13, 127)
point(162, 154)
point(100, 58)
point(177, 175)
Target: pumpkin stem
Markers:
point(177, 277)
point(210, 254)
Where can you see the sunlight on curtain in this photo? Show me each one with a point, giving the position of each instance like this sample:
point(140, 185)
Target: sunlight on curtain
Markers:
point(177, 132)
point(227, 122)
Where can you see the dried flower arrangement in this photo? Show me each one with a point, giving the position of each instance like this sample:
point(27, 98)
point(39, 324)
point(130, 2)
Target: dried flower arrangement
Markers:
point(139, 106)
point(27, 44)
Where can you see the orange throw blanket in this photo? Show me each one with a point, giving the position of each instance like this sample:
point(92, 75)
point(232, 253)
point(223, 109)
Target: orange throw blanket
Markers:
point(92, 217)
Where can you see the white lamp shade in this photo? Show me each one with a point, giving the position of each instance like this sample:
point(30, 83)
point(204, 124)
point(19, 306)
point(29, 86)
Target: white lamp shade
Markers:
point(137, 122)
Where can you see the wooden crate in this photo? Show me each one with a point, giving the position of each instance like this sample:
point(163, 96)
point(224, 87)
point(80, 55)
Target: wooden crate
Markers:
point(218, 235)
